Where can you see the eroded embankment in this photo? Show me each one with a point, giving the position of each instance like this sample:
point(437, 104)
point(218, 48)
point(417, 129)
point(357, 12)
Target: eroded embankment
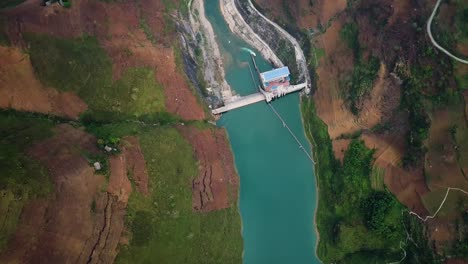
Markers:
point(282, 43)
point(131, 36)
point(83, 221)
point(238, 26)
point(416, 156)
point(217, 184)
point(200, 45)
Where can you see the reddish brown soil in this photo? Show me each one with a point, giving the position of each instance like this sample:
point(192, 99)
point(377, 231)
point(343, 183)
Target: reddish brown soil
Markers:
point(375, 108)
point(307, 16)
point(79, 223)
point(445, 21)
point(385, 31)
point(273, 8)
point(217, 184)
point(329, 102)
point(329, 8)
point(442, 166)
point(65, 228)
point(119, 185)
point(20, 90)
point(117, 27)
point(400, 12)
point(465, 96)
point(463, 49)
point(456, 261)
point(135, 163)
point(408, 186)
point(339, 148)
point(384, 98)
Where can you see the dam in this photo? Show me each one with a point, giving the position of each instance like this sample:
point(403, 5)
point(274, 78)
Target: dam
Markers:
point(274, 84)
point(277, 197)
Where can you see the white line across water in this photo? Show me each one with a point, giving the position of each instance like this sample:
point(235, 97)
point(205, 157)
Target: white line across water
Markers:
point(292, 133)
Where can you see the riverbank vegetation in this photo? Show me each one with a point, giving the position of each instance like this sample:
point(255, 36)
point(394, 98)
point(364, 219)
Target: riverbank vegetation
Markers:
point(163, 225)
point(357, 223)
point(422, 81)
point(349, 214)
point(160, 226)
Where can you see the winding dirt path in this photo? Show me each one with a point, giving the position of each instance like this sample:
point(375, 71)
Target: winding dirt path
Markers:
point(434, 42)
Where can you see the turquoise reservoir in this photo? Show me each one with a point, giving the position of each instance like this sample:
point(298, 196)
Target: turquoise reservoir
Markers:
point(278, 191)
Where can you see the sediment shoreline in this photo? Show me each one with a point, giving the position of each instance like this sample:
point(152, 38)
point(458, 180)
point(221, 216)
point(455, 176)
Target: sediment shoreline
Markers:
point(239, 27)
point(213, 71)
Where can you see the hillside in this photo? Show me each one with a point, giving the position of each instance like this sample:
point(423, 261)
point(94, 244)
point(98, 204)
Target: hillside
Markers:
point(388, 120)
point(106, 151)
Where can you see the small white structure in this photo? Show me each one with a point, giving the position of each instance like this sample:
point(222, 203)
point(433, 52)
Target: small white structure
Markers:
point(97, 166)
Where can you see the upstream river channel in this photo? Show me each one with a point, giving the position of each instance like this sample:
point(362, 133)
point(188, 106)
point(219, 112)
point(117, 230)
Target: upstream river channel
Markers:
point(277, 191)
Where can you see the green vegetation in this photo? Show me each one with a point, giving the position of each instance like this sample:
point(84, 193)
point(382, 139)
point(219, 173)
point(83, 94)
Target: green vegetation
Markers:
point(349, 33)
point(417, 247)
point(3, 36)
point(349, 234)
point(78, 65)
point(181, 6)
point(10, 3)
point(461, 22)
point(462, 81)
point(82, 66)
point(318, 54)
point(419, 121)
point(137, 92)
point(146, 28)
point(284, 51)
point(21, 178)
point(354, 135)
point(165, 229)
point(451, 31)
point(460, 248)
point(361, 81)
point(377, 178)
point(200, 63)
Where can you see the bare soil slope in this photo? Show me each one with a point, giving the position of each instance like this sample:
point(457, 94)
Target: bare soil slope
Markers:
point(393, 31)
point(131, 35)
point(20, 90)
point(216, 186)
point(80, 223)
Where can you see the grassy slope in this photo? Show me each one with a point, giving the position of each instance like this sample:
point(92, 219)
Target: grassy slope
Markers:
point(345, 234)
point(10, 3)
point(82, 66)
point(3, 36)
point(360, 82)
point(21, 178)
point(165, 228)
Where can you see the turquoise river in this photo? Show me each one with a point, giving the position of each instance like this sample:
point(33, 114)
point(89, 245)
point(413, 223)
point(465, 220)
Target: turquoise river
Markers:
point(278, 192)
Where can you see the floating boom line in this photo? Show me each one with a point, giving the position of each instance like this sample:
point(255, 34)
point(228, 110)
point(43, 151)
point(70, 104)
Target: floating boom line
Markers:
point(292, 133)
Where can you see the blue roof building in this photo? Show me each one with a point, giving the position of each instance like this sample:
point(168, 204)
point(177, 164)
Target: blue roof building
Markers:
point(275, 74)
point(275, 79)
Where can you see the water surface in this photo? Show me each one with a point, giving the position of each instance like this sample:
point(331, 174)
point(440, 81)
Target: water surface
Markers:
point(277, 192)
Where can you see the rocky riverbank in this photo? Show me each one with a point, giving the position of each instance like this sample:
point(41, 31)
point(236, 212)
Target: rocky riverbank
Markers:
point(202, 57)
point(239, 26)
